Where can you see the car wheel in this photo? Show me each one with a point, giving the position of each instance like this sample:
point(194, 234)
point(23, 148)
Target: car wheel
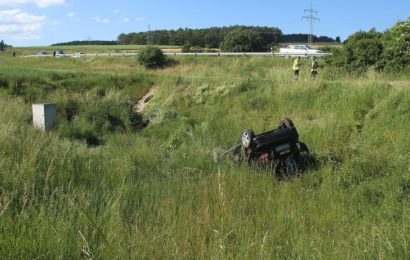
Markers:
point(303, 149)
point(247, 138)
point(286, 123)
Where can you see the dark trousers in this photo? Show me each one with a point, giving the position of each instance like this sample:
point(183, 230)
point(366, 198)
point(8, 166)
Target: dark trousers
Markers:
point(296, 74)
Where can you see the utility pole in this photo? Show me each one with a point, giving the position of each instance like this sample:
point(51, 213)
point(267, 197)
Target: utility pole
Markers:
point(149, 35)
point(311, 18)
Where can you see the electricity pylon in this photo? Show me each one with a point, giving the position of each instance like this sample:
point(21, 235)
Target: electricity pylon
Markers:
point(311, 18)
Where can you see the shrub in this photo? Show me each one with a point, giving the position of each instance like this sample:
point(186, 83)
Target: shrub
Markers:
point(338, 57)
point(152, 58)
point(242, 40)
point(186, 48)
point(197, 49)
point(396, 43)
point(361, 51)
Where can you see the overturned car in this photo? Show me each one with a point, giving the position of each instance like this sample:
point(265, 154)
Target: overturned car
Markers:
point(279, 149)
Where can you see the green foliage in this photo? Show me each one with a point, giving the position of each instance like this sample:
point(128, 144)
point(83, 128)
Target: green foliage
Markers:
point(389, 51)
point(303, 38)
point(152, 58)
point(242, 40)
point(337, 39)
point(189, 48)
point(94, 123)
point(363, 49)
point(186, 48)
point(87, 42)
point(208, 38)
point(396, 42)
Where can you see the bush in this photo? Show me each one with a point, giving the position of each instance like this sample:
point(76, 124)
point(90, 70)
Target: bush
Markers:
point(242, 40)
point(396, 43)
point(152, 58)
point(338, 57)
point(197, 49)
point(186, 48)
point(361, 51)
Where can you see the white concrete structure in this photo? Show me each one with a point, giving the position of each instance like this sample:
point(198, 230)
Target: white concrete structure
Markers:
point(44, 116)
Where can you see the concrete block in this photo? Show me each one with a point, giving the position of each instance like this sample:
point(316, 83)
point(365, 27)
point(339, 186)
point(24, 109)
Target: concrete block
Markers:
point(45, 116)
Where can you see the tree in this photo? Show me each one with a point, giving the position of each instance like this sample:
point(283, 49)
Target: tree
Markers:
point(242, 40)
point(2, 45)
point(338, 39)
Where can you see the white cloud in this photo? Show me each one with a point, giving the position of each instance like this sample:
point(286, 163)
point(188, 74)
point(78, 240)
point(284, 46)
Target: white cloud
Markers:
point(100, 20)
point(54, 22)
point(39, 3)
point(116, 11)
point(140, 19)
point(20, 25)
point(126, 20)
point(70, 15)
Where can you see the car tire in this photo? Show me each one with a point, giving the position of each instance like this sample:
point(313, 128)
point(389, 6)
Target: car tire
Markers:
point(247, 138)
point(286, 123)
point(303, 149)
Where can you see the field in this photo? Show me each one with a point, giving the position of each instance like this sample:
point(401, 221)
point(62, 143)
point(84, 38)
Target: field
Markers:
point(101, 186)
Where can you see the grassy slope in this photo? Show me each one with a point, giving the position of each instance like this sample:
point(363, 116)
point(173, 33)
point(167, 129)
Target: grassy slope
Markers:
point(157, 193)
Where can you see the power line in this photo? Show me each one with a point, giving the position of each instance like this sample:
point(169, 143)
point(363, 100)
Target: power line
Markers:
point(149, 35)
point(311, 18)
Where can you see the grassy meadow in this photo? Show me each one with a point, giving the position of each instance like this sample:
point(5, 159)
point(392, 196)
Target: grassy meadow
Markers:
point(99, 186)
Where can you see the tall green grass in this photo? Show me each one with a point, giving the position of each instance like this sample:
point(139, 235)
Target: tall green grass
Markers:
point(156, 193)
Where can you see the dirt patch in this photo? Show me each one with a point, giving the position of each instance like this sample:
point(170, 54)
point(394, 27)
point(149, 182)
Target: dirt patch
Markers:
point(144, 101)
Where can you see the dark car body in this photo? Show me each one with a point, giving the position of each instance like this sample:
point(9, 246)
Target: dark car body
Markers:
point(279, 147)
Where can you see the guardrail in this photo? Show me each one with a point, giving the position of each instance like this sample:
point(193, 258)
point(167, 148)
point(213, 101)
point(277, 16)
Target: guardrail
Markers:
point(219, 54)
point(194, 54)
point(215, 54)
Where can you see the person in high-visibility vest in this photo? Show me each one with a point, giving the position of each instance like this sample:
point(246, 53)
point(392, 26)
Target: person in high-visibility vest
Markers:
point(296, 67)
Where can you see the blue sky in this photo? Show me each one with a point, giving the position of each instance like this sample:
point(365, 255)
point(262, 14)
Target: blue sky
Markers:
point(43, 22)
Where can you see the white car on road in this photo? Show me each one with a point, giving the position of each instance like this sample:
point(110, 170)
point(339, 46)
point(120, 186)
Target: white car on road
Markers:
point(59, 54)
point(300, 50)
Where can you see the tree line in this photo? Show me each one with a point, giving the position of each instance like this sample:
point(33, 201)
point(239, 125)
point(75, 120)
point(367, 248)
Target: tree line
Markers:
point(213, 37)
point(72, 43)
point(302, 38)
point(207, 38)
